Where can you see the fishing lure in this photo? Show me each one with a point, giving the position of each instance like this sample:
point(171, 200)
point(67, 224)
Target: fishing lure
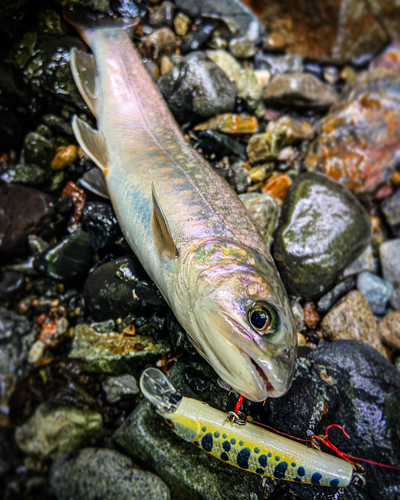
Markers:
point(248, 447)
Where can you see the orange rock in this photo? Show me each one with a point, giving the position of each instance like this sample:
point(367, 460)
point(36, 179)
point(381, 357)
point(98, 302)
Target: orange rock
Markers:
point(64, 157)
point(79, 199)
point(311, 316)
point(277, 186)
point(395, 177)
point(359, 141)
point(230, 124)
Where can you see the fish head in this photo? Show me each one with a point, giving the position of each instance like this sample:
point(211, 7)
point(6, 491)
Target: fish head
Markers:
point(241, 319)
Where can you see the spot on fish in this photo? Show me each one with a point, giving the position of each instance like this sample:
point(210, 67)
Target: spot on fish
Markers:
point(297, 479)
point(207, 442)
point(316, 477)
point(277, 458)
point(153, 147)
point(216, 434)
point(262, 460)
point(334, 482)
point(243, 458)
point(259, 471)
point(241, 443)
point(301, 472)
point(224, 456)
point(204, 429)
point(226, 445)
point(165, 170)
point(160, 157)
point(179, 181)
point(233, 441)
point(270, 454)
point(280, 470)
point(224, 436)
point(256, 450)
point(293, 464)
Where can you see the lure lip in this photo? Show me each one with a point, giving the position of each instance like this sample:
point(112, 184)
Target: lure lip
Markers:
point(159, 391)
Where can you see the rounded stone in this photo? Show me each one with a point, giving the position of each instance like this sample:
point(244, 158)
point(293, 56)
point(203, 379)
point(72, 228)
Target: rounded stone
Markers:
point(95, 473)
point(376, 290)
point(321, 230)
point(389, 330)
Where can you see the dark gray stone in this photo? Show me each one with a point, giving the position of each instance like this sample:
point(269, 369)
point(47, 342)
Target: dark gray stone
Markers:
point(322, 228)
point(376, 290)
point(100, 223)
point(38, 150)
point(100, 474)
point(197, 89)
point(108, 290)
point(337, 292)
point(390, 261)
point(391, 209)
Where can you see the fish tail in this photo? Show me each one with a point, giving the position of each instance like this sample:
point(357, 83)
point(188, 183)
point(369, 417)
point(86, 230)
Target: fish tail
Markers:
point(86, 23)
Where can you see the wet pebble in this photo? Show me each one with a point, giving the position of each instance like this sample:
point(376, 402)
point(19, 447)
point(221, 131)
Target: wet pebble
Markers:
point(99, 474)
point(242, 48)
point(12, 285)
point(100, 223)
point(108, 291)
point(389, 59)
point(69, 260)
point(376, 290)
point(162, 15)
point(300, 89)
point(64, 157)
point(277, 186)
point(352, 319)
point(391, 210)
point(325, 303)
point(182, 24)
point(364, 262)
point(279, 64)
point(321, 229)
point(298, 315)
point(390, 260)
point(161, 42)
point(250, 91)
point(52, 431)
point(38, 150)
point(215, 93)
point(237, 177)
point(259, 148)
point(23, 211)
point(122, 387)
point(362, 120)
point(389, 330)
point(264, 211)
point(31, 175)
point(115, 353)
point(230, 124)
point(215, 145)
point(311, 316)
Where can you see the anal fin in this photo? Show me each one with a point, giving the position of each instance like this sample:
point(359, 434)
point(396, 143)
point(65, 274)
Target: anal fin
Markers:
point(94, 181)
point(91, 141)
point(83, 67)
point(162, 234)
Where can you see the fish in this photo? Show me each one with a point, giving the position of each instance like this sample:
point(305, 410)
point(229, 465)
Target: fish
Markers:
point(185, 224)
point(245, 446)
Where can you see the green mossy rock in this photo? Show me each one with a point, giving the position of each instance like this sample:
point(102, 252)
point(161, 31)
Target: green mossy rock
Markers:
point(321, 230)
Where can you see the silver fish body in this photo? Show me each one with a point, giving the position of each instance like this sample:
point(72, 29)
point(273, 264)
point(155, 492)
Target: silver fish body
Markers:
point(185, 224)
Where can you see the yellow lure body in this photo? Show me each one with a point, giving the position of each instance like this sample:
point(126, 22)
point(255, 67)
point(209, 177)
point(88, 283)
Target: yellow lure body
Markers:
point(254, 449)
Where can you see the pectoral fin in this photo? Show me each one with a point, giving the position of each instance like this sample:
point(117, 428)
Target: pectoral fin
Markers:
point(83, 67)
point(92, 142)
point(94, 181)
point(161, 231)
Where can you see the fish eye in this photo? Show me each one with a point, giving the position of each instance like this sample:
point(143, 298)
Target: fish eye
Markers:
point(262, 318)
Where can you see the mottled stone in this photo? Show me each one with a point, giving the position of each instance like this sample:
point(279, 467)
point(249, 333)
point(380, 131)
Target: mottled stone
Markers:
point(182, 24)
point(298, 315)
point(365, 262)
point(376, 290)
point(321, 229)
point(115, 353)
point(391, 210)
point(250, 91)
point(359, 140)
point(242, 48)
point(335, 30)
point(264, 211)
point(390, 261)
point(23, 211)
point(279, 64)
point(311, 316)
point(162, 15)
point(227, 63)
point(122, 387)
point(277, 186)
point(97, 474)
point(52, 431)
point(389, 330)
point(161, 42)
point(300, 89)
point(352, 319)
point(287, 130)
point(259, 148)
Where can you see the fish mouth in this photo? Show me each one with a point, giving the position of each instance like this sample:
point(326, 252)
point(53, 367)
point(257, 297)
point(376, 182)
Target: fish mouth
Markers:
point(270, 388)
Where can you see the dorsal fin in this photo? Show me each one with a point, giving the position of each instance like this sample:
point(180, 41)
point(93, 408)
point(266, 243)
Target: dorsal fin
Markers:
point(162, 234)
point(92, 142)
point(94, 181)
point(83, 67)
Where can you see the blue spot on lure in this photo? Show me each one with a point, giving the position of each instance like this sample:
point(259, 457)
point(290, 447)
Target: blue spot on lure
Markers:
point(247, 446)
